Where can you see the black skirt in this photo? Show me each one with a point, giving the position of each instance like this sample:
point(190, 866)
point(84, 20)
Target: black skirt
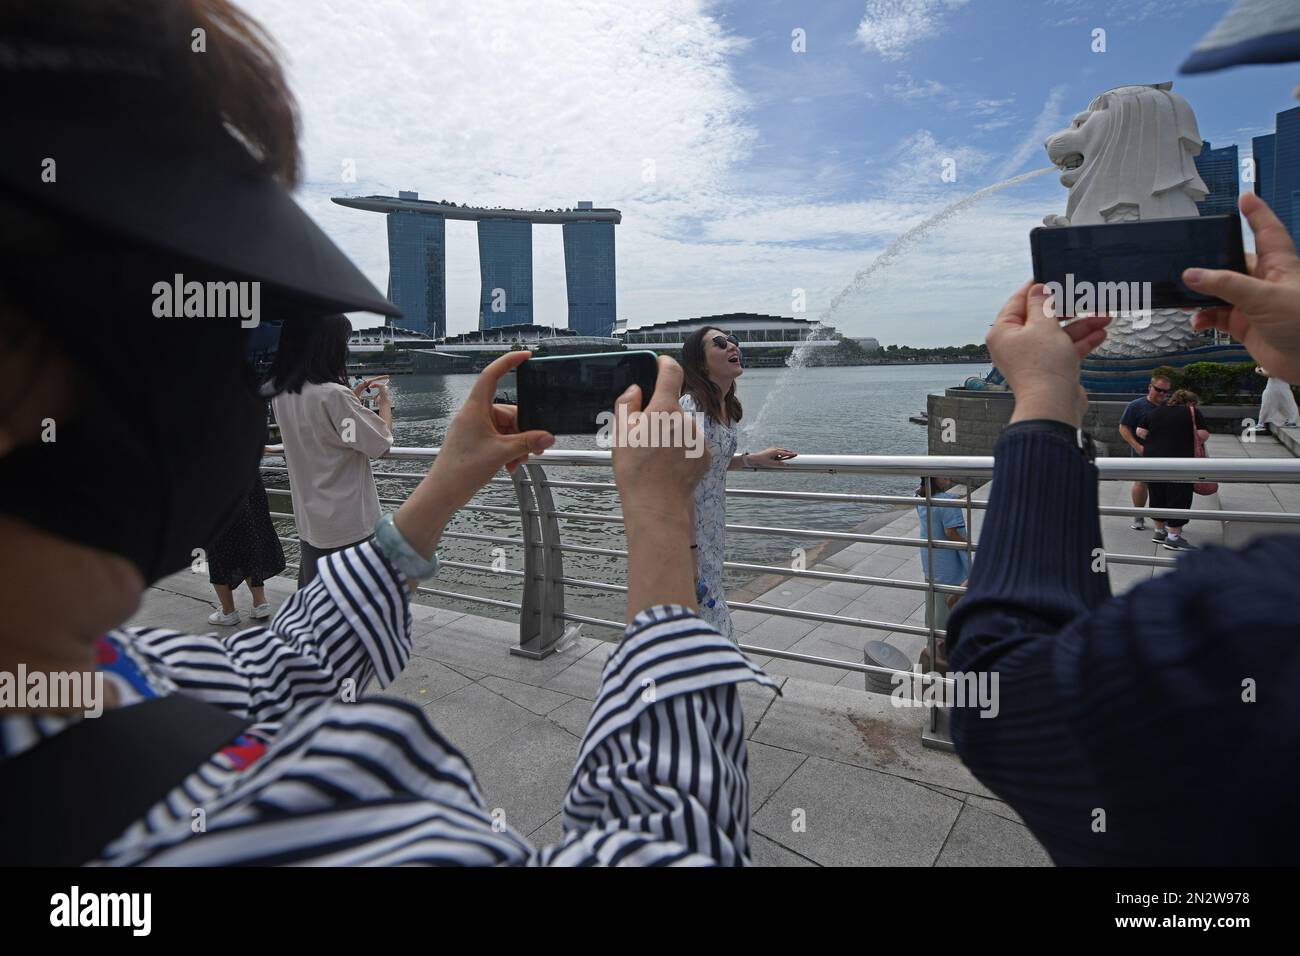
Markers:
point(249, 548)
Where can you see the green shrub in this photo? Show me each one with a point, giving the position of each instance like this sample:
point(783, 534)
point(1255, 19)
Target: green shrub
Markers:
point(1218, 382)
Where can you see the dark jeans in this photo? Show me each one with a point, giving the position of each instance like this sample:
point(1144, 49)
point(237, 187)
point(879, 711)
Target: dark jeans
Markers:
point(309, 554)
point(1170, 494)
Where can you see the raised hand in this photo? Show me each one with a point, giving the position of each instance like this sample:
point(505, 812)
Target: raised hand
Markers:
point(481, 440)
point(656, 487)
point(1265, 313)
point(1039, 357)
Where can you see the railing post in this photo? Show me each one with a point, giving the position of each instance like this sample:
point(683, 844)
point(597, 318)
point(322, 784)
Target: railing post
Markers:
point(541, 617)
point(936, 732)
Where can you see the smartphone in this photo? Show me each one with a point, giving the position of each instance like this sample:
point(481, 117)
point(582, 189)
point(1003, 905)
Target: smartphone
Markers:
point(1141, 262)
point(564, 394)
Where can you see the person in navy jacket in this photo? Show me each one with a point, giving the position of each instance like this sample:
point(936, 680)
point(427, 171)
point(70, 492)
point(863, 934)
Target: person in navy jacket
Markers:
point(1161, 726)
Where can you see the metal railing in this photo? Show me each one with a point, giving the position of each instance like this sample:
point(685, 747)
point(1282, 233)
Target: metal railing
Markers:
point(544, 620)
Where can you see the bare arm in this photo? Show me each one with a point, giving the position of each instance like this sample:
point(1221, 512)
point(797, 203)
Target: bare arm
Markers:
point(1127, 434)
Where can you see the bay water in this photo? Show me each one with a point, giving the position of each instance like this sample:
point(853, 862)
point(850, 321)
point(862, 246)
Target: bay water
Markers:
point(860, 410)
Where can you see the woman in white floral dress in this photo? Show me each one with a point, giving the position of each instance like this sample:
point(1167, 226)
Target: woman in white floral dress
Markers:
point(711, 362)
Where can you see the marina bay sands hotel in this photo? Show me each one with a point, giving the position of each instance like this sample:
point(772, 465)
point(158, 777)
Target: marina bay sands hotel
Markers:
point(417, 267)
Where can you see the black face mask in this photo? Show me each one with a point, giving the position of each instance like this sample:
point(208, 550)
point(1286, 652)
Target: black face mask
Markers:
point(156, 462)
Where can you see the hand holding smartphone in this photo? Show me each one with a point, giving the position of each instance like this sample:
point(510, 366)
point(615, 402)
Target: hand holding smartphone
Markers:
point(564, 394)
point(1135, 266)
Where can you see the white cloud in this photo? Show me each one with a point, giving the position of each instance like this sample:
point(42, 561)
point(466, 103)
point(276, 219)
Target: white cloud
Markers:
point(508, 104)
point(893, 27)
point(908, 88)
point(502, 104)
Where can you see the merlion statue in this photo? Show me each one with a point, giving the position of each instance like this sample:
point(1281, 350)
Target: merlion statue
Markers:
point(1131, 156)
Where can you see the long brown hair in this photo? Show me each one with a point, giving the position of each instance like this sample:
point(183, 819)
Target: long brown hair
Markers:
point(696, 382)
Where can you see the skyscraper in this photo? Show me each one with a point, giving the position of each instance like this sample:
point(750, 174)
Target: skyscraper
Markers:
point(417, 269)
point(1286, 169)
point(505, 264)
point(1218, 167)
point(1262, 149)
point(589, 276)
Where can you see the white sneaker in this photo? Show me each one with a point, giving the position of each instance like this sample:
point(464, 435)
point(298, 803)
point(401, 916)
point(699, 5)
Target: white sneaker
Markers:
point(261, 612)
point(225, 620)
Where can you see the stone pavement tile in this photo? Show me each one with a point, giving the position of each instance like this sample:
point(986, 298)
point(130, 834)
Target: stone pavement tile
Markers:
point(778, 632)
point(769, 768)
point(1126, 576)
point(469, 672)
point(422, 681)
point(425, 617)
point(849, 589)
point(572, 716)
point(849, 725)
point(846, 558)
point(819, 673)
point(474, 643)
point(582, 677)
point(744, 621)
point(527, 773)
point(765, 852)
point(159, 608)
point(474, 719)
point(995, 807)
point(893, 605)
point(549, 833)
point(755, 700)
point(883, 564)
point(195, 585)
point(853, 816)
point(980, 838)
point(823, 601)
point(786, 593)
point(539, 700)
point(849, 637)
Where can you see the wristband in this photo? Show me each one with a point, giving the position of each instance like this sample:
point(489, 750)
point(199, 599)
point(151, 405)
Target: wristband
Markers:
point(403, 557)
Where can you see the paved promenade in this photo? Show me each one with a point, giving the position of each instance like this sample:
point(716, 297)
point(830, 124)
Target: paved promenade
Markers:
point(839, 776)
point(826, 754)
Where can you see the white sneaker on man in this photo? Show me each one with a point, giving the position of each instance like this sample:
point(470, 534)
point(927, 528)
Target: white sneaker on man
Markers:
point(261, 612)
point(225, 620)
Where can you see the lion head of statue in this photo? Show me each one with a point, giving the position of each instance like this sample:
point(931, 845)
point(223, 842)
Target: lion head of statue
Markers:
point(1135, 146)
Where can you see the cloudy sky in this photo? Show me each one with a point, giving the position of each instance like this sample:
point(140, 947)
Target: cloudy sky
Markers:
point(745, 168)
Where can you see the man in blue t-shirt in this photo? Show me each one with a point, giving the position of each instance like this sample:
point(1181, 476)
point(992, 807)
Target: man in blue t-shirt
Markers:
point(950, 566)
point(1135, 416)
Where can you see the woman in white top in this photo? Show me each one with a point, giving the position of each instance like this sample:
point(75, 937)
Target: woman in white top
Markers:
point(1277, 406)
point(711, 365)
point(329, 438)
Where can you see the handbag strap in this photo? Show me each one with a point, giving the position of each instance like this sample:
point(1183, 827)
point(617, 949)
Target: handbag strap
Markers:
point(67, 797)
point(1198, 448)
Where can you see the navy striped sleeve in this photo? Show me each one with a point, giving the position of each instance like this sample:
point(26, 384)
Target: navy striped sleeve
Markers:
point(662, 774)
point(350, 624)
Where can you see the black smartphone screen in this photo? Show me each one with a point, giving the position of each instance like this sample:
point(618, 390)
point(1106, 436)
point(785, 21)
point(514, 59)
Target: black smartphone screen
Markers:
point(565, 394)
point(1142, 261)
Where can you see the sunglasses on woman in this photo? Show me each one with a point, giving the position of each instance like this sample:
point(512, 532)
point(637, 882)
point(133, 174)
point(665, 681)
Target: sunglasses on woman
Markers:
point(721, 341)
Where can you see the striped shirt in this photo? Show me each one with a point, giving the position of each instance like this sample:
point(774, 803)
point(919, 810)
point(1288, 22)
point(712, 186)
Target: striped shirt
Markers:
point(323, 777)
